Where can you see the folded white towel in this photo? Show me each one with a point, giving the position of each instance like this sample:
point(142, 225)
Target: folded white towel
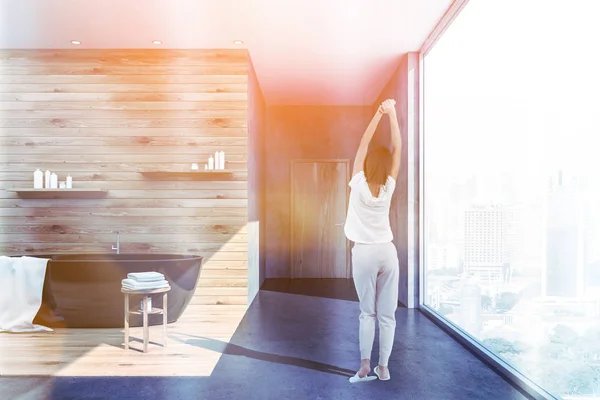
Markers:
point(135, 285)
point(147, 279)
point(146, 276)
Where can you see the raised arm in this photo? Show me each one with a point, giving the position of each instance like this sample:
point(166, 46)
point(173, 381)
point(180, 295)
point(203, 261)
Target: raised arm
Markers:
point(396, 142)
point(359, 160)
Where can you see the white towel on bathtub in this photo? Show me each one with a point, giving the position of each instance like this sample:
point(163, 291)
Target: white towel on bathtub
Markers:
point(21, 285)
point(131, 284)
point(146, 276)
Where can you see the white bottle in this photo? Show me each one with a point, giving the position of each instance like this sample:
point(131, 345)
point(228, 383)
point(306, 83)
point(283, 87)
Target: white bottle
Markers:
point(53, 181)
point(148, 304)
point(211, 163)
point(47, 179)
point(222, 159)
point(38, 179)
point(217, 160)
point(69, 182)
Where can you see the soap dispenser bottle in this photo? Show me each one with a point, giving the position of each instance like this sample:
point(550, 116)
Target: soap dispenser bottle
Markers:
point(47, 179)
point(217, 160)
point(54, 181)
point(38, 179)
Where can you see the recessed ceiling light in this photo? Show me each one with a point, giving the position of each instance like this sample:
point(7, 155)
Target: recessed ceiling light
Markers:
point(156, 42)
point(75, 42)
point(238, 42)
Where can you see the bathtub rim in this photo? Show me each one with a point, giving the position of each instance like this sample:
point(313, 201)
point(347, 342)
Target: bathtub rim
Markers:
point(106, 257)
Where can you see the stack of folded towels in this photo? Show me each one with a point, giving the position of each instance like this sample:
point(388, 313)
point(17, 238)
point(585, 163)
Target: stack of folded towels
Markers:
point(145, 281)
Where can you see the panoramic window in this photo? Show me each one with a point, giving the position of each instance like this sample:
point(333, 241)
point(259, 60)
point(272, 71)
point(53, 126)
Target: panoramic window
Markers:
point(511, 180)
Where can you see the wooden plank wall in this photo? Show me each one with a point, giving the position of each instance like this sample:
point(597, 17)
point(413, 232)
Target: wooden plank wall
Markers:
point(105, 115)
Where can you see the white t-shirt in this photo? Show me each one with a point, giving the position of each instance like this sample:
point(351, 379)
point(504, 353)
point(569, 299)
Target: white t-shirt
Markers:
point(368, 219)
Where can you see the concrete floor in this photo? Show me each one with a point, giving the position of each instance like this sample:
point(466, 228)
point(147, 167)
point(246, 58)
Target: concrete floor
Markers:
point(297, 346)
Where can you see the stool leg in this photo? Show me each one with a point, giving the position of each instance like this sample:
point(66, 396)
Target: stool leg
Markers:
point(126, 321)
point(146, 333)
point(165, 319)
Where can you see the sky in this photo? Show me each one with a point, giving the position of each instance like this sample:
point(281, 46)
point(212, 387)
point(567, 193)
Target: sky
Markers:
point(513, 86)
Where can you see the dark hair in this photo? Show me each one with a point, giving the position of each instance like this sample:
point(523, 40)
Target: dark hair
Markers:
point(378, 165)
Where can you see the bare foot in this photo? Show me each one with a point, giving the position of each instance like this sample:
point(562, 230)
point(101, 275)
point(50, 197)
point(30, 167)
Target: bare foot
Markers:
point(384, 372)
point(365, 368)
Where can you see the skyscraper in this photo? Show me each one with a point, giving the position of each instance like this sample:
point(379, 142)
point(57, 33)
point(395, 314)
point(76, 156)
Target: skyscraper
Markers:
point(484, 247)
point(564, 238)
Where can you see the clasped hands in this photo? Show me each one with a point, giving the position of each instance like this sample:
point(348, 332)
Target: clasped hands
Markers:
point(387, 107)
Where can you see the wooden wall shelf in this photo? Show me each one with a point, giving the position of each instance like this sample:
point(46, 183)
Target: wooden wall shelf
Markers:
point(200, 175)
point(77, 193)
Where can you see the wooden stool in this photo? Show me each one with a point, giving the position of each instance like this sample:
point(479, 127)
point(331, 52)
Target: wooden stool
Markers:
point(145, 312)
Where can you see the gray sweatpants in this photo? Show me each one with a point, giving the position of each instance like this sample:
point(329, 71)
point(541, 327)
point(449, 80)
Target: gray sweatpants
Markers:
point(375, 272)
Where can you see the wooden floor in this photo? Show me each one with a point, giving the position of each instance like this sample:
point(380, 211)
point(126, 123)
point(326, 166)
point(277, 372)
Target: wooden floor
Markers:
point(100, 352)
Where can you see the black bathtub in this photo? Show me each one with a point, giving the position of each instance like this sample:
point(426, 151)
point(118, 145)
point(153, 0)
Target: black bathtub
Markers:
point(84, 290)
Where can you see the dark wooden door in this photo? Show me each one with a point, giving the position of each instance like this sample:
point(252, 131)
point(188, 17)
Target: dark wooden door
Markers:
point(319, 203)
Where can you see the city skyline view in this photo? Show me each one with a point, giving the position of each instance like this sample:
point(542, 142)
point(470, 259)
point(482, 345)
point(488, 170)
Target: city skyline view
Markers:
point(511, 195)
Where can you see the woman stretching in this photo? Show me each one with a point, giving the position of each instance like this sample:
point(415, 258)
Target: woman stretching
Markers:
point(374, 256)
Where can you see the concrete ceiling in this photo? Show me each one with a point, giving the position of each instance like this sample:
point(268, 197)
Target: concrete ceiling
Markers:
point(305, 52)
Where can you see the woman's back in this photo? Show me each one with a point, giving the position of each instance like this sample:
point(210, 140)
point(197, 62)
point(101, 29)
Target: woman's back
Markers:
point(368, 218)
